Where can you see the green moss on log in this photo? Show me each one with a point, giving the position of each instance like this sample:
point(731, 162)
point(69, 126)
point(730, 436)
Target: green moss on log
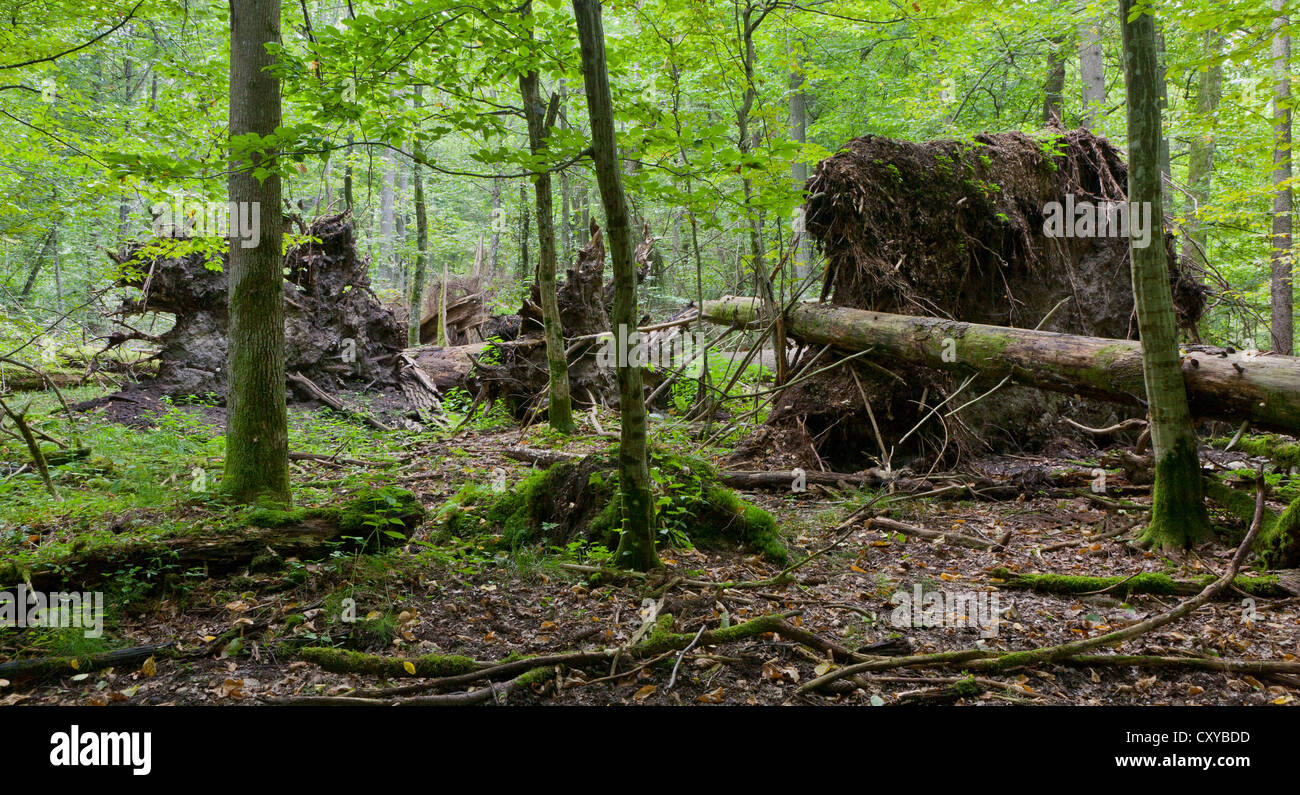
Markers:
point(344, 661)
point(1271, 446)
point(1145, 583)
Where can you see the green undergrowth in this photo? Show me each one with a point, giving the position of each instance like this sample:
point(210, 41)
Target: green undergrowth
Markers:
point(579, 500)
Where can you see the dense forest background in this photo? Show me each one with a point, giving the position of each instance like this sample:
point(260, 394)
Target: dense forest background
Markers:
point(722, 110)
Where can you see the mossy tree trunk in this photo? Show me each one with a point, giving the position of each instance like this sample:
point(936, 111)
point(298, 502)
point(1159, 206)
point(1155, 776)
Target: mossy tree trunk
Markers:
point(1280, 260)
point(540, 120)
point(421, 243)
point(636, 548)
point(1178, 518)
point(257, 440)
point(1264, 389)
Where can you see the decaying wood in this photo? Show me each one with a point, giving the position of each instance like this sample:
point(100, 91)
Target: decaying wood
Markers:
point(1264, 389)
point(42, 667)
point(316, 392)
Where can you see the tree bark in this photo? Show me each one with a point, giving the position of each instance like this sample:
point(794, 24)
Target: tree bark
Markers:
point(636, 546)
point(1263, 389)
point(1092, 71)
point(257, 441)
point(799, 168)
point(421, 244)
point(1178, 517)
point(1054, 86)
point(540, 118)
point(525, 232)
point(1280, 250)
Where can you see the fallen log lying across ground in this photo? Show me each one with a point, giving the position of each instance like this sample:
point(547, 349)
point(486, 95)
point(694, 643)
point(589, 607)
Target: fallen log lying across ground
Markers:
point(1221, 384)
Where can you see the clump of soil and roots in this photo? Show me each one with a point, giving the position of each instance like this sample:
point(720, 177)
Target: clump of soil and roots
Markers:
point(955, 229)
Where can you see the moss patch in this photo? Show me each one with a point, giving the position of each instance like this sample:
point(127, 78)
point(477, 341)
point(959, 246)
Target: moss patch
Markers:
point(343, 661)
point(580, 499)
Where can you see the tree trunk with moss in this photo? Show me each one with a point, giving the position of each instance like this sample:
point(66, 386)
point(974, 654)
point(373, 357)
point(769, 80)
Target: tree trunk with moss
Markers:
point(257, 437)
point(540, 120)
point(421, 244)
point(636, 547)
point(1262, 389)
point(1178, 518)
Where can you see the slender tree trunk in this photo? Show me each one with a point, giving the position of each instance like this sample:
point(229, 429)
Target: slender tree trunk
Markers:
point(525, 232)
point(1200, 153)
point(1280, 255)
point(799, 168)
point(421, 243)
point(540, 118)
point(1092, 72)
point(1054, 86)
point(36, 265)
point(494, 234)
point(257, 439)
point(347, 176)
point(754, 215)
point(566, 211)
point(636, 546)
point(124, 202)
point(387, 221)
point(1178, 517)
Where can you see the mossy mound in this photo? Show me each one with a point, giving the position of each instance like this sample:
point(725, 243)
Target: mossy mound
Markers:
point(379, 515)
point(580, 499)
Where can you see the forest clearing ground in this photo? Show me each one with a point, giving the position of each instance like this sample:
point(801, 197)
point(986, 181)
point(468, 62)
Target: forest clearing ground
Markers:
point(469, 597)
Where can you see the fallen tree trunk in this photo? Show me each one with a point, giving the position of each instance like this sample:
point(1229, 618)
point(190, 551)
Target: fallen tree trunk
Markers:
point(1262, 389)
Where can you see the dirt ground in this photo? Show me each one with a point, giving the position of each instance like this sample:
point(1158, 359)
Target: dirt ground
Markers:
point(491, 604)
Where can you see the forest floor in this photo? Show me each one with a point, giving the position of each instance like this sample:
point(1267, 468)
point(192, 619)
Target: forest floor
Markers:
point(235, 636)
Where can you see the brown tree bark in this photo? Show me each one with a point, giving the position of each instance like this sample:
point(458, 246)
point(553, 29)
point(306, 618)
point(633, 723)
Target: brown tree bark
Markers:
point(257, 440)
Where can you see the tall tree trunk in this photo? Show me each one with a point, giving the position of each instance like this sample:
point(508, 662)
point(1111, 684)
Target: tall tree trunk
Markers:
point(421, 243)
point(1280, 255)
point(36, 265)
point(748, 25)
point(494, 234)
point(566, 211)
point(387, 221)
point(1092, 72)
point(1178, 517)
point(124, 202)
point(540, 118)
point(636, 546)
point(257, 438)
point(347, 176)
point(1200, 153)
point(1054, 86)
point(799, 168)
point(525, 232)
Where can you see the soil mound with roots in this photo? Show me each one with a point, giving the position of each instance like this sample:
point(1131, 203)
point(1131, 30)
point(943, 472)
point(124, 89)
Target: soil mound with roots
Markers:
point(955, 229)
point(337, 333)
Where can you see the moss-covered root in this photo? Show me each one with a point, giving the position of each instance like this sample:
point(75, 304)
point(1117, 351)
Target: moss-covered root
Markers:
point(343, 661)
point(1145, 583)
point(1278, 542)
point(1282, 453)
point(662, 639)
point(1178, 517)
